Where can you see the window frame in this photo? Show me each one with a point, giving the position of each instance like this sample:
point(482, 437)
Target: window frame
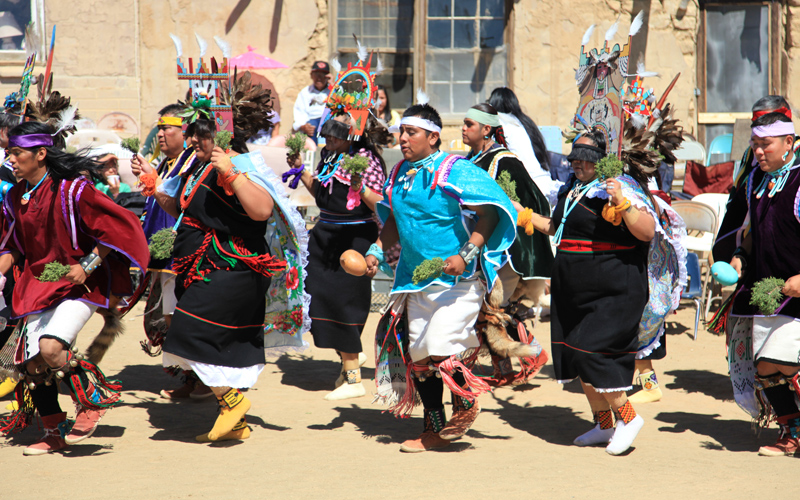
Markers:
point(37, 16)
point(777, 63)
point(419, 48)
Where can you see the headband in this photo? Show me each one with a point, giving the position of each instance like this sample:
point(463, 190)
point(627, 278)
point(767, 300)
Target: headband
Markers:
point(416, 121)
point(776, 129)
point(586, 152)
point(782, 110)
point(173, 121)
point(30, 141)
point(483, 117)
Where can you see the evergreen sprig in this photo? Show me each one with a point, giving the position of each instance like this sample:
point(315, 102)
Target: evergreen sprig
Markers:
point(296, 143)
point(53, 271)
point(428, 269)
point(355, 164)
point(161, 244)
point(766, 295)
point(609, 167)
point(132, 144)
point(223, 139)
point(507, 185)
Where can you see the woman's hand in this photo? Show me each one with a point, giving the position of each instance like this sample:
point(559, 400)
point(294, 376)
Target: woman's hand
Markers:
point(454, 265)
point(294, 160)
point(113, 190)
point(614, 190)
point(140, 166)
point(220, 160)
point(792, 286)
point(736, 263)
point(76, 275)
point(356, 183)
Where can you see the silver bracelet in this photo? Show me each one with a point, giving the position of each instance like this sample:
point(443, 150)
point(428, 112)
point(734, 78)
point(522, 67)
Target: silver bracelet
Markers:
point(468, 252)
point(90, 263)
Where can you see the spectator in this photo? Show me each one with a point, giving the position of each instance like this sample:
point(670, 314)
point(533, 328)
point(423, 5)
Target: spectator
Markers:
point(263, 137)
point(383, 111)
point(112, 186)
point(310, 103)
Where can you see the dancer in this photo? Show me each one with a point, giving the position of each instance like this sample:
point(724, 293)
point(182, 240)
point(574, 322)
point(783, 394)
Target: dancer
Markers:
point(769, 194)
point(227, 251)
point(427, 338)
point(346, 204)
point(98, 241)
point(161, 300)
point(531, 256)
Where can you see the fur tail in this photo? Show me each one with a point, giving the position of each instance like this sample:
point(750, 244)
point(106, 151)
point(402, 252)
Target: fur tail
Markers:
point(496, 336)
point(112, 328)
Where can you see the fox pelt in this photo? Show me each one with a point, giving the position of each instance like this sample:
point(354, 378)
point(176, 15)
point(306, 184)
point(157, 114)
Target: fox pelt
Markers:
point(112, 328)
point(495, 332)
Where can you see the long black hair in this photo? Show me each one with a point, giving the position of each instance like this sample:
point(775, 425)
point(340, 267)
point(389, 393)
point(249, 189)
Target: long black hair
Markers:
point(60, 164)
point(387, 110)
point(504, 100)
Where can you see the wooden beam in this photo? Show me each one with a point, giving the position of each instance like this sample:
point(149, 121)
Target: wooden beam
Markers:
point(721, 118)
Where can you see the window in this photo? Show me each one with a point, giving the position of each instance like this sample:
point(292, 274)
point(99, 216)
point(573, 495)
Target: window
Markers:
point(465, 56)
point(14, 16)
point(455, 49)
point(736, 64)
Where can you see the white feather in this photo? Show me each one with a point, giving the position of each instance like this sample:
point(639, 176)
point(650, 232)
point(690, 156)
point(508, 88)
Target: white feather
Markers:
point(641, 71)
point(636, 25)
point(66, 119)
point(422, 97)
point(612, 30)
point(202, 44)
point(639, 121)
point(588, 35)
point(379, 68)
point(178, 44)
point(337, 66)
point(362, 51)
point(224, 46)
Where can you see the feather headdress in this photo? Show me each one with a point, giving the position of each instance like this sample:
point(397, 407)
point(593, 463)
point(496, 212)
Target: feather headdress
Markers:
point(251, 105)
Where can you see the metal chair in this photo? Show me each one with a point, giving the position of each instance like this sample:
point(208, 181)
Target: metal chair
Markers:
point(721, 145)
point(691, 150)
point(694, 292)
point(553, 140)
point(719, 202)
point(701, 219)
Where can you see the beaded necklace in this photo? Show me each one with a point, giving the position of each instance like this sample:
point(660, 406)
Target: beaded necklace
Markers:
point(27, 196)
point(329, 168)
point(193, 183)
point(574, 196)
point(427, 163)
point(774, 181)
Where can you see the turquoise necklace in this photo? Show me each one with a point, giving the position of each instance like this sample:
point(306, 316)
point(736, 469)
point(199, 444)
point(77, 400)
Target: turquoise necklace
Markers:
point(27, 196)
point(774, 181)
point(428, 163)
point(329, 168)
point(572, 201)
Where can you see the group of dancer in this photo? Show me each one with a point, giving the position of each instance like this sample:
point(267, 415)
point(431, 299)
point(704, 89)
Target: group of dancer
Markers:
point(233, 274)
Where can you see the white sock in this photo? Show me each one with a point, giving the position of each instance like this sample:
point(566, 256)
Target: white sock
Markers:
point(624, 436)
point(595, 436)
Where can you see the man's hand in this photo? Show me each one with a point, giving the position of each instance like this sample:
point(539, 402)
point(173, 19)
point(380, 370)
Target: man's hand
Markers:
point(792, 286)
point(76, 275)
point(308, 129)
point(140, 166)
point(455, 265)
point(372, 266)
point(736, 263)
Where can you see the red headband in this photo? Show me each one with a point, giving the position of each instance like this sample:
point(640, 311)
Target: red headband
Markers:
point(782, 110)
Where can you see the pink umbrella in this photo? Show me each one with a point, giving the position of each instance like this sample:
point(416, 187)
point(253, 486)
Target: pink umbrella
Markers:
point(254, 60)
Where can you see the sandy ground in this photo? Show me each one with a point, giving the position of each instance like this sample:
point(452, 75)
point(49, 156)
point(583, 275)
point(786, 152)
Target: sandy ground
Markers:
point(696, 442)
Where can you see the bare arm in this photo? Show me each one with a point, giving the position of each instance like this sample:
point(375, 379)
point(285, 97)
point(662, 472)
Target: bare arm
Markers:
point(387, 239)
point(7, 260)
point(368, 196)
point(639, 222)
point(306, 177)
point(487, 222)
point(168, 203)
point(543, 224)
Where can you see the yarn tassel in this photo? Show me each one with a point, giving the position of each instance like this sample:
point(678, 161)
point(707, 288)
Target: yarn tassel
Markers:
point(23, 416)
point(475, 385)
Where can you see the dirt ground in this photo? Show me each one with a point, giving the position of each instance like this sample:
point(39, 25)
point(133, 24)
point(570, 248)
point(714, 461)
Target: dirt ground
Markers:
point(696, 443)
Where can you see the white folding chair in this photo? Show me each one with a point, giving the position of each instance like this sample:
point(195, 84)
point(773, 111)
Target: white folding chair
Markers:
point(719, 202)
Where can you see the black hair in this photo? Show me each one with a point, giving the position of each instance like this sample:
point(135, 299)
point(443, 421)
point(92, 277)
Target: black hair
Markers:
point(489, 109)
point(504, 100)
point(171, 109)
point(60, 164)
point(387, 110)
point(768, 103)
point(203, 128)
point(426, 112)
point(8, 120)
point(597, 137)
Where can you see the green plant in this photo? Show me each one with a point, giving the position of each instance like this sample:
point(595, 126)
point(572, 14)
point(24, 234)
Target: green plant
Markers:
point(766, 295)
point(428, 269)
point(223, 139)
point(355, 164)
point(53, 271)
point(609, 167)
point(507, 185)
point(296, 143)
point(132, 144)
point(161, 244)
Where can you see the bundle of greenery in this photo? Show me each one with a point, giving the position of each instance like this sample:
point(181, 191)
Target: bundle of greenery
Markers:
point(428, 269)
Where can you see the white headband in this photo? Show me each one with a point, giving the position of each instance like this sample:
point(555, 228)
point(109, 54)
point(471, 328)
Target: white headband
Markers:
point(774, 129)
point(416, 121)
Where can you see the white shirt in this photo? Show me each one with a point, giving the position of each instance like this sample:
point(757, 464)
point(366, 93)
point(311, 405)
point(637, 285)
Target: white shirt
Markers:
point(309, 105)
